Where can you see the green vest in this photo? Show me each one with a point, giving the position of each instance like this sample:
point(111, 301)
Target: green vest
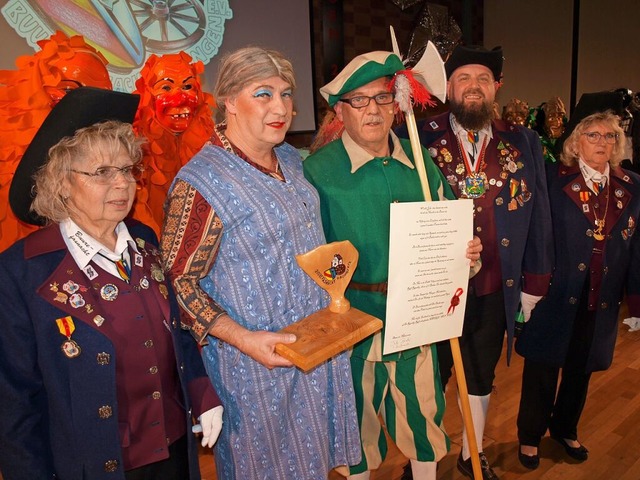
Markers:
point(356, 207)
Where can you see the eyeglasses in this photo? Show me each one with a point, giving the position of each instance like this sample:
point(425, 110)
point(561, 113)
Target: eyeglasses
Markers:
point(106, 175)
point(362, 100)
point(594, 137)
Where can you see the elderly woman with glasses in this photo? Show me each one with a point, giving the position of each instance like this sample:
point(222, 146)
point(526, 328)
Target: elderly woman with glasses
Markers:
point(595, 206)
point(97, 378)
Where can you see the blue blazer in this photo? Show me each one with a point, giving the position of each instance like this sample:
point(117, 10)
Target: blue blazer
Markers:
point(49, 424)
point(523, 235)
point(546, 336)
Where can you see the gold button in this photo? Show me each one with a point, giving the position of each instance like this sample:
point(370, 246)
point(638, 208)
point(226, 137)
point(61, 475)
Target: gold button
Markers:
point(582, 267)
point(103, 358)
point(573, 300)
point(478, 229)
point(499, 201)
point(148, 343)
point(509, 283)
point(589, 233)
point(111, 466)
point(174, 323)
point(605, 270)
point(604, 305)
point(155, 395)
point(105, 412)
point(153, 370)
point(478, 209)
point(504, 242)
point(385, 162)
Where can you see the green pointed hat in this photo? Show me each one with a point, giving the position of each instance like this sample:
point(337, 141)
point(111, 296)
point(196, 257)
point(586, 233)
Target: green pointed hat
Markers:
point(361, 70)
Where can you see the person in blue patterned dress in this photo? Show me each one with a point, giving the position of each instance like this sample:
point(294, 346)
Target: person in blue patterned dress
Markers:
point(237, 215)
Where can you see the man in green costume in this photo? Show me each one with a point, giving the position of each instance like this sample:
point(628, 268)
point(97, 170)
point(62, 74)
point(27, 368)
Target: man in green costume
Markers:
point(357, 177)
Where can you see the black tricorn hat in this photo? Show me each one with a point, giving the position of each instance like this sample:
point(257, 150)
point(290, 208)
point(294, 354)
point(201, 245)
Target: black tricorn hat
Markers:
point(79, 108)
point(589, 104)
point(475, 54)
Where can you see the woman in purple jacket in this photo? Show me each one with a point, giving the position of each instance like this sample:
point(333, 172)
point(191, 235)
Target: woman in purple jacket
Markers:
point(595, 206)
point(97, 378)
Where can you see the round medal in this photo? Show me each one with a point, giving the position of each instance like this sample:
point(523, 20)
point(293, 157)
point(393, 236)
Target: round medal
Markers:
point(109, 292)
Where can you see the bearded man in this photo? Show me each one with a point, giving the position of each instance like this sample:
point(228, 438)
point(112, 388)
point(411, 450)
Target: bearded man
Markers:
point(501, 168)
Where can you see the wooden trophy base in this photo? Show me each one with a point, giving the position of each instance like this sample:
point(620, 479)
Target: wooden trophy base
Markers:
point(325, 334)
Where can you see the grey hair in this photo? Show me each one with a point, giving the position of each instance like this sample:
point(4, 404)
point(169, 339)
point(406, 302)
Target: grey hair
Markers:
point(108, 138)
point(247, 65)
point(570, 155)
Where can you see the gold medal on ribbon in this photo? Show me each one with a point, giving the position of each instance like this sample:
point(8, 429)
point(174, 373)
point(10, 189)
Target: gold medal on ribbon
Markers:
point(475, 185)
point(66, 327)
point(71, 349)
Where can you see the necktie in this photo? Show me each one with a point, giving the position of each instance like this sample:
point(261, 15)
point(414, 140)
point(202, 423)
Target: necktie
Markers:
point(121, 266)
point(473, 138)
point(597, 185)
point(123, 270)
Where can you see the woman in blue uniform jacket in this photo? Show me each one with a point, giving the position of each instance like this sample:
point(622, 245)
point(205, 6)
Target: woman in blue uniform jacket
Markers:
point(95, 372)
point(595, 206)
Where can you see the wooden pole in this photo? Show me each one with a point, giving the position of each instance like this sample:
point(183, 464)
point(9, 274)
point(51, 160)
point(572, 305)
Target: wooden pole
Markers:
point(466, 408)
point(410, 118)
point(455, 344)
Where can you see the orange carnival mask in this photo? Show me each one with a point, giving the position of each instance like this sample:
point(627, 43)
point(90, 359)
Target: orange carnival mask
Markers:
point(66, 63)
point(27, 95)
point(175, 87)
point(84, 69)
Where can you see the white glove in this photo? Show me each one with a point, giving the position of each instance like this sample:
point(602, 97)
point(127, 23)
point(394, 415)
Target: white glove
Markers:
point(633, 322)
point(528, 303)
point(210, 426)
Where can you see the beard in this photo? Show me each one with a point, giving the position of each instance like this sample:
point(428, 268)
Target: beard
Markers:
point(474, 117)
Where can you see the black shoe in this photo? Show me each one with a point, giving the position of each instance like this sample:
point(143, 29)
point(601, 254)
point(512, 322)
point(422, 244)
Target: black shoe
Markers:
point(407, 473)
point(529, 461)
point(466, 468)
point(577, 453)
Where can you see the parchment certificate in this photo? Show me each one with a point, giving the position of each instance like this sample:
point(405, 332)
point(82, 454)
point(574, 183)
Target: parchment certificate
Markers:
point(428, 272)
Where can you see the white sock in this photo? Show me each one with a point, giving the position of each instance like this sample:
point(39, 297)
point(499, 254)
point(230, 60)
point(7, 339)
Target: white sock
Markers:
point(423, 470)
point(360, 476)
point(479, 406)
